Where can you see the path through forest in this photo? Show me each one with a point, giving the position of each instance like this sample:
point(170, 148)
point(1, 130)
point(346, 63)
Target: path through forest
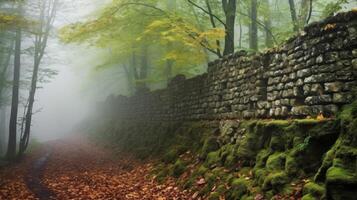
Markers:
point(78, 169)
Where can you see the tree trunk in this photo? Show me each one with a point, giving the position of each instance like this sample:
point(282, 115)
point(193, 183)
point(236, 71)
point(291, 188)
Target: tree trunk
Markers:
point(303, 14)
point(2, 129)
point(253, 35)
point(240, 33)
point(129, 78)
point(11, 149)
point(48, 12)
point(268, 26)
point(28, 118)
point(293, 15)
point(213, 23)
point(171, 6)
point(143, 72)
point(229, 8)
point(144, 63)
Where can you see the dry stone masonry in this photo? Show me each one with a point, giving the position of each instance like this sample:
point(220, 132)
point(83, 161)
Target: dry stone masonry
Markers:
point(311, 73)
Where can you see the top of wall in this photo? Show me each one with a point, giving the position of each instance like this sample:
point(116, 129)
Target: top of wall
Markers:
point(314, 72)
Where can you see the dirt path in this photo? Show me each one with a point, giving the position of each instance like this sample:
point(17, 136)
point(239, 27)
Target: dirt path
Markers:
point(76, 169)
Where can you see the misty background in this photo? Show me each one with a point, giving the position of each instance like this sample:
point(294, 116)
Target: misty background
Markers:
point(65, 100)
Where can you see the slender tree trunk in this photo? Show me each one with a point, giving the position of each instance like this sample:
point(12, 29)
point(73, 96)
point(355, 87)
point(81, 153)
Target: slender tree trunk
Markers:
point(144, 63)
point(143, 72)
point(229, 8)
point(129, 78)
point(303, 14)
point(240, 33)
point(3, 80)
point(199, 24)
point(2, 128)
point(253, 35)
point(11, 149)
point(268, 26)
point(28, 118)
point(48, 13)
point(171, 6)
point(293, 15)
point(213, 23)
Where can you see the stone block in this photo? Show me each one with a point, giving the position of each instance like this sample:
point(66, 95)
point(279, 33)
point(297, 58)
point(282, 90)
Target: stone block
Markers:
point(316, 100)
point(333, 86)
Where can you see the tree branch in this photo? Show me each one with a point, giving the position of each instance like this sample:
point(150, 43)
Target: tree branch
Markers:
point(262, 25)
point(207, 12)
point(310, 13)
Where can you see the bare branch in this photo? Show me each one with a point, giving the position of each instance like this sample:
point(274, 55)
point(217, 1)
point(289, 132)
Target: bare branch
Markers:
point(207, 12)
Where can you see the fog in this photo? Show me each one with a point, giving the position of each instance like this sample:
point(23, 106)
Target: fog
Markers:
point(66, 100)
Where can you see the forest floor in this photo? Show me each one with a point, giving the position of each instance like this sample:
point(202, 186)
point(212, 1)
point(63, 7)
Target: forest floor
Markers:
point(78, 169)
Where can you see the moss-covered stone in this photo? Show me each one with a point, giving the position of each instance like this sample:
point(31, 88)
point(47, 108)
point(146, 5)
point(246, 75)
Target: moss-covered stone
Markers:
point(277, 143)
point(314, 189)
point(202, 170)
point(260, 174)
point(341, 175)
point(276, 161)
point(309, 197)
point(213, 159)
point(262, 158)
point(210, 144)
point(178, 168)
point(275, 181)
point(239, 187)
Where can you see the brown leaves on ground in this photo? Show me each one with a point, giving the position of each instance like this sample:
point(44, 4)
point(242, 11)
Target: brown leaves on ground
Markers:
point(79, 170)
point(12, 184)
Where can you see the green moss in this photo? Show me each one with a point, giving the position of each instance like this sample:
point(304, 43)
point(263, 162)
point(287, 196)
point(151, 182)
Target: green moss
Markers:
point(309, 197)
point(260, 174)
point(210, 178)
point(239, 187)
point(219, 172)
point(162, 173)
point(277, 143)
point(314, 189)
point(210, 144)
point(248, 146)
point(171, 156)
point(275, 181)
point(201, 170)
point(213, 158)
point(247, 197)
point(228, 155)
point(178, 168)
point(188, 183)
point(230, 161)
point(291, 166)
point(221, 189)
point(276, 123)
point(262, 158)
point(214, 196)
point(349, 112)
point(307, 122)
point(341, 175)
point(326, 164)
point(276, 161)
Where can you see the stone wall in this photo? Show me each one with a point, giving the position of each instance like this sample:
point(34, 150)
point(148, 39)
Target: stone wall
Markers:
point(313, 72)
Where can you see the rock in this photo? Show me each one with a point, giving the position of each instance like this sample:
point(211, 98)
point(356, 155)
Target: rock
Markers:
point(333, 87)
point(342, 97)
point(315, 100)
point(319, 59)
